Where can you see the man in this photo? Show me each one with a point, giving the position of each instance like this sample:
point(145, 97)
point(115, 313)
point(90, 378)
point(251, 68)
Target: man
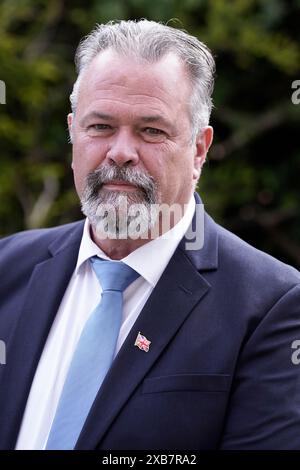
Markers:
point(202, 357)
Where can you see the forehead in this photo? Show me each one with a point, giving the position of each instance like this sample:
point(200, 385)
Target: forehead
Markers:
point(113, 79)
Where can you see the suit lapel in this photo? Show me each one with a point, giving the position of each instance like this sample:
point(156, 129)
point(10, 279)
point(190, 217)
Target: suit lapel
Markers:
point(44, 293)
point(180, 288)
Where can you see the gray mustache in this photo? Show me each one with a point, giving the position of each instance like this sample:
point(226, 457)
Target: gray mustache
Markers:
point(100, 176)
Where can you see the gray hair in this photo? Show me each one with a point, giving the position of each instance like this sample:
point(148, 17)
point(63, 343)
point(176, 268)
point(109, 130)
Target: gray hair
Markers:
point(151, 41)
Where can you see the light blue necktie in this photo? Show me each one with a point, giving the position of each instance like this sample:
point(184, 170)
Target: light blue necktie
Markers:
point(93, 354)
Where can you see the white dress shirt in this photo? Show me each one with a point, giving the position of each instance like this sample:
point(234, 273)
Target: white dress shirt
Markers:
point(80, 299)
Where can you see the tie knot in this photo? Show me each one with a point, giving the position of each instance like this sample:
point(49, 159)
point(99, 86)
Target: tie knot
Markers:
point(113, 275)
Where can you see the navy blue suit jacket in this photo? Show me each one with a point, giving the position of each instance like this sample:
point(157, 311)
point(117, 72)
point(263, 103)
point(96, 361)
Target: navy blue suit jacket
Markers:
point(218, 374)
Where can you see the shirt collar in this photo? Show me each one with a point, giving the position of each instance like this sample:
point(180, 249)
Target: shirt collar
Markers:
point(88, 248)
point(149, 260)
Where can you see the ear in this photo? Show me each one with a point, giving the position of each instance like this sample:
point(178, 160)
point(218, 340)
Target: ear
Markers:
point(203, 142)
point(70, 123)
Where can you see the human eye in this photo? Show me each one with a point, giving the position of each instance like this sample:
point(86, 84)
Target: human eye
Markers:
point(153, 134)
point(153, 131)
point(95, 130)
point(99, 127)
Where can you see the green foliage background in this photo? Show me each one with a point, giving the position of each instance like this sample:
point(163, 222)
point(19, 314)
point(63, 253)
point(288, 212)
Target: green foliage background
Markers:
point(250, 183)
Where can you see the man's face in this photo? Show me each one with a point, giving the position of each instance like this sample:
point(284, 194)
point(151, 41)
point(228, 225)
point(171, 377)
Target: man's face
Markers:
point(134, 116)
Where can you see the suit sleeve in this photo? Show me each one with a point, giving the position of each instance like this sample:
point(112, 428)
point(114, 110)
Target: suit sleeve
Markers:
point(264, 408)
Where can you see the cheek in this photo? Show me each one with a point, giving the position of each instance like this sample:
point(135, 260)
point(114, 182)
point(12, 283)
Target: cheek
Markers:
point(181, 173)
point(87, 156)
point(170, 166)
point(182, 165)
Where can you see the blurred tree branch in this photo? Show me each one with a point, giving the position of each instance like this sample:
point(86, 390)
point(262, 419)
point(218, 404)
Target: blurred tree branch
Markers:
point(248, 127)
point(36, 209)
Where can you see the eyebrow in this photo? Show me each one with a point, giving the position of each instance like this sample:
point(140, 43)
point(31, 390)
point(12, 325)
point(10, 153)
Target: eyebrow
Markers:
point(155, 118)
point(95, 115)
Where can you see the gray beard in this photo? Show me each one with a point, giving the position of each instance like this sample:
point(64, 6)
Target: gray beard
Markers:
point(120, 214)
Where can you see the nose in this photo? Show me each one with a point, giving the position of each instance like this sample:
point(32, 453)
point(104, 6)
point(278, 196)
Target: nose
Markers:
point(123, 149)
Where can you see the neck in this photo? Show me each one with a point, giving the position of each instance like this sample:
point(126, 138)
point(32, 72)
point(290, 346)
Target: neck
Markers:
point(117, 249)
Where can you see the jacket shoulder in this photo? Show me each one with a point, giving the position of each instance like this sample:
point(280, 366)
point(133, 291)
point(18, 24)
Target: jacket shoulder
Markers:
point(34, 243)
point(258, 267)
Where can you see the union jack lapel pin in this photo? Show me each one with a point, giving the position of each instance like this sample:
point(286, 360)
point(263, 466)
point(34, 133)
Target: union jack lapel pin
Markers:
point(142, 342)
